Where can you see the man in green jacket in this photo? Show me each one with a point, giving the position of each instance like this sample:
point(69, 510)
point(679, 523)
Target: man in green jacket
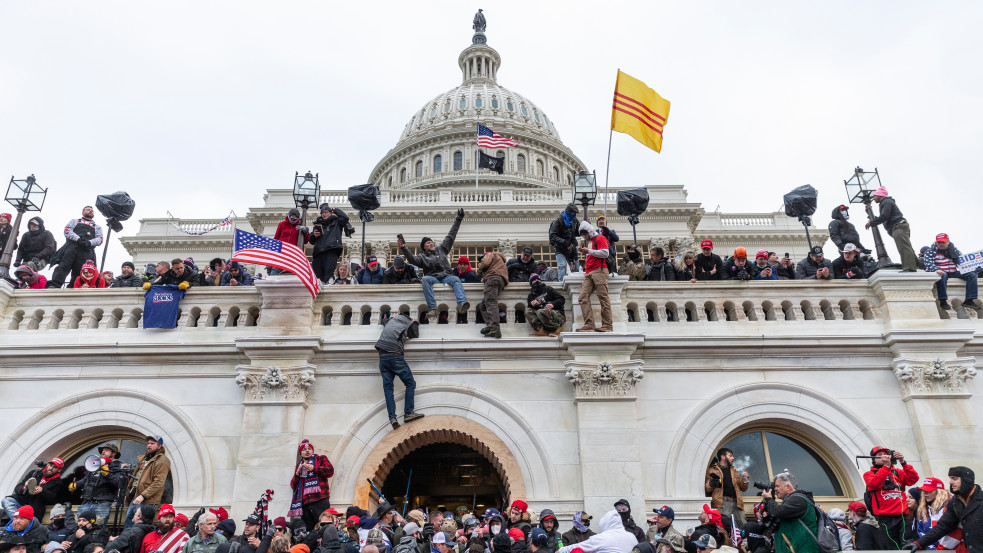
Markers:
point(206, 540)
point(797, 524)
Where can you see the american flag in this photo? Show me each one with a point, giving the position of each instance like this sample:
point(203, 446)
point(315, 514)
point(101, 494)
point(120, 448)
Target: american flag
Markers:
point(488, 138)
point(173, 541)
point(253, 248)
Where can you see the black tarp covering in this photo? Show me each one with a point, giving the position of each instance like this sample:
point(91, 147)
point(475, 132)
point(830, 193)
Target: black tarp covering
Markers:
point(633, 202)
point(116, 207)
point(801, 202)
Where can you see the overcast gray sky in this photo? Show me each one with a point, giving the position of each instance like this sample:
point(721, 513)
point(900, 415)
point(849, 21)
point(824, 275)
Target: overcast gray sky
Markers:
point(198, 107)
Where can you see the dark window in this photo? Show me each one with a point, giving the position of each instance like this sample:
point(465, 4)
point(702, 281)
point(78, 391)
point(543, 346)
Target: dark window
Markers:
point(765, 454)
point(520, 163)
point(402, 175)
point(419, 169)
point(458, 161)
point(437, 163)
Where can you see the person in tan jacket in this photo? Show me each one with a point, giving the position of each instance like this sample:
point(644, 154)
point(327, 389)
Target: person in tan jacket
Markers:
point(724, 486)
point(149, 475)
point(495, 276)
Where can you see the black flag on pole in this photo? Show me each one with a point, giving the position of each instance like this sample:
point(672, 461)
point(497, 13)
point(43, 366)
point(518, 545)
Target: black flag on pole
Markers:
point(496, 164)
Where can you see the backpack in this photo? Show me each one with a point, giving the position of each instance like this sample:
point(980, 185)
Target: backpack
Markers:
point(828, 534)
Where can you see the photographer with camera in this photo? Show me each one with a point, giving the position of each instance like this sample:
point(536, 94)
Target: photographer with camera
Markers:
point(149, 476)
point(326, 238)
point(100, 488)
point(797, 523)
point(724, 486)
point(885, 494)
point(848, 264)
point(41, 487)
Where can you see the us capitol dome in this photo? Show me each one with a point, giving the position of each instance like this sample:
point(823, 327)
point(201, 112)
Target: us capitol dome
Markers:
point(437, 148)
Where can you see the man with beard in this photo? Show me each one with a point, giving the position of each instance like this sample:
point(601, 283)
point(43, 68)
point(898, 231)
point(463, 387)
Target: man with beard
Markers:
point(24, 528)
point(127, 278)
point(624, 509)
point(149, 475)
point(546, 308)
point(37, 245)
point(82, 236)
point(549, 526)
point(167, 537)
point(964, 510)
point(130, 540)
point(41, 487)
point(100, 488)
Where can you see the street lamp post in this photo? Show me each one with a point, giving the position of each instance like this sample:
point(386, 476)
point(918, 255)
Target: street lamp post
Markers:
point(585, 189)
point(860, 190)
point(24, 195)
point(307, 192)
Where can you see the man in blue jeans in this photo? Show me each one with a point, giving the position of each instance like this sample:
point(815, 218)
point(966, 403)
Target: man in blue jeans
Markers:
point(392, 365)
point(942, 258)
point(432, 261)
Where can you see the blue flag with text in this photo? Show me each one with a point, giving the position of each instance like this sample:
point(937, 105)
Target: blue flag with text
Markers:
point(161, 306)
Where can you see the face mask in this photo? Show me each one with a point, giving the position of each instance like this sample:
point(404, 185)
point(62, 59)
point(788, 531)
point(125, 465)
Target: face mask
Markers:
point(495, 529)
point(538, 287)
point(846, 215)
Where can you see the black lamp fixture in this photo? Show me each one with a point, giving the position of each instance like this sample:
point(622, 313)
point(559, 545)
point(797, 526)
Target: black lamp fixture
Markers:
point(307, 193)
point(24, 195)
point(585, 189)
point(860, 189)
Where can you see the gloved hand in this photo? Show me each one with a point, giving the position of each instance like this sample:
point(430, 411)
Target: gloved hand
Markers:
point(146, 286)
point(104, 470)
point(271, 531)
point(36, 261)
point(428, 531)
point(183, 286)
point(715, 481)
point(201, 511)
point(911, 546)
point(303, 230)
point(72, 236)
point(460, 214)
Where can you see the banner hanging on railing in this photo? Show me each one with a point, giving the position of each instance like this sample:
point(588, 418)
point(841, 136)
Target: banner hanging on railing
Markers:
point(224, 222)
point(970, 261)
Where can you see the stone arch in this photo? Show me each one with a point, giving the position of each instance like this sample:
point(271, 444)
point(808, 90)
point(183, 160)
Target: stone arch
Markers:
point(59, 425)
point(833, 426)
point(370, 447)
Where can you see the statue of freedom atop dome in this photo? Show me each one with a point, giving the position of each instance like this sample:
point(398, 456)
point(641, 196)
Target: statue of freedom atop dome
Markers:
point(479, 22)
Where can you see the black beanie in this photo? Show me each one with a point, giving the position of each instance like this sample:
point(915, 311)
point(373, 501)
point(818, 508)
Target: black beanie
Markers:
point(968, 478)
point(130, 264)
point(424, 241)
point(147, 513)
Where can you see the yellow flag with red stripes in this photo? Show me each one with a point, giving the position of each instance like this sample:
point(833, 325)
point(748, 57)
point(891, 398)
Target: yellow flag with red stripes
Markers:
point(639, 111)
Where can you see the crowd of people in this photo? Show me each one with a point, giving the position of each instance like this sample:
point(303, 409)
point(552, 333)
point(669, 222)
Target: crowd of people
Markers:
point(894, 514)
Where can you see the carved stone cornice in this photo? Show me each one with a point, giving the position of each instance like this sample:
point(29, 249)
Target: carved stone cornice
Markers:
point(604, 381)
point(275, 385)
point(934, 379)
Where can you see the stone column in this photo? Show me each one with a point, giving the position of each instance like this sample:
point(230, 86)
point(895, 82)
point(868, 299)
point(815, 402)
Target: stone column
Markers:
point(573, 282)
point(507, 247)
point(604, 376)
point(380, 249)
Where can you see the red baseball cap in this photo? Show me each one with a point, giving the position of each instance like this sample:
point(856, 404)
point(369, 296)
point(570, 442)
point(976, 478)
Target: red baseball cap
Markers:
point(714, 515)
point(521, 505)
point(706, 244)
point(331, 511)
point(874, 451)
point(931, 484)
point(58, 462)
point(857, 507)
point(352, 520)
point(181, 519)
point(941, 237)
point(516, 534)
point(165, 509)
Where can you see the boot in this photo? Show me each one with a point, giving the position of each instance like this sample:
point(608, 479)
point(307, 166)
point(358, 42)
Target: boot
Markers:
point(540, 332)
point(586, 328)
point(409, 417)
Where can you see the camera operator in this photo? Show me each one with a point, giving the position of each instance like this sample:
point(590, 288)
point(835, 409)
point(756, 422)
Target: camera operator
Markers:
point(147, 484)
point(89, 530)
point(848, 264)
point(964, 510)
point(41, 487)
point(797, 523)
point(99, 489)
point(724, 485)
point(885, 487)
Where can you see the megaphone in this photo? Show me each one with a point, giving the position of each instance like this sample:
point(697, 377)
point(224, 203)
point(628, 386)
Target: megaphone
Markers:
point(94, 463)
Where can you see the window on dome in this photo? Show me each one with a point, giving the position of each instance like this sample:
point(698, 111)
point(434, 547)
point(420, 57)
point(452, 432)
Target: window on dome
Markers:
point(419, 169)
point(520, 163)
point(524, 110)
point(494, 102)
point(540, 168)
point(458, 161)
point(390, 181)
point(547, 121)
point(509, 106)
point(478, 102)
point(556, 174)
point(500, 154)
point(447, 106)
point(536, 113)
point(463, 104)
point(764, 453)
point(402, 175)
point(569, 180)
point(433, 112)
point(437, 163)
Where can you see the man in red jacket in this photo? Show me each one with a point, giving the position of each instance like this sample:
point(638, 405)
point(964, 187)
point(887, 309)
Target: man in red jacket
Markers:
point(886, 490)
point(289, 231)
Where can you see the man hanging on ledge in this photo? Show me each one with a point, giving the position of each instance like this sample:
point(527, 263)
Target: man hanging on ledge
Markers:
point(179, 275)
point(432, 260)
point(81, 238)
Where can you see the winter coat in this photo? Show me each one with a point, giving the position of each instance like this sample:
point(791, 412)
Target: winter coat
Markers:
point(84, 233)
point(786, 273)
point(549, 274)
point(53, 491)
point(553, 539)
point(95, 281)
point(635, 269)
point(685, 273)
point(96, 486)
point(964, 512)
point(466, 276)
point(717, 494)
point(572, 536)
point(562, 237)
point(952, 252)
point(520, 271)
point(244, 278)
point(551, 296)
point(149, 476)
point(841, 266)
point(845, 535)
point(807, 268)
point(170, 277)
point(288, 232)
point(758, 271)
point(97, 535)
point(35, 535)
point(323, 469)
point(407, 544)
point(705, 264)
point(493, 265)
point(130, 539)
point(889, 215)
point(330, 543)
point(58, 534)
point(889, 502)
point(867, 534)
point(711, 530)
point(197, 545)
point(409, 276)
point(5, 235)
point(842, 232)
point(36, 281)
point(36, 243)
point(733, 272)
point(133, 280)
point(397, 330)
point(435, 263)
point(331, 229)
point(794, 508)
point(660, 271)
point(366, 276)
point(613, 538)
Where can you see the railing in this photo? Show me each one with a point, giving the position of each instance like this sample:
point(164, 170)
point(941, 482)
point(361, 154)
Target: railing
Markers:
point(473, 196)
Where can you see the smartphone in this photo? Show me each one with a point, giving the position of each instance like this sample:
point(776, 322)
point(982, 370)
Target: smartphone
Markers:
point(400, 238)
point(786, 255)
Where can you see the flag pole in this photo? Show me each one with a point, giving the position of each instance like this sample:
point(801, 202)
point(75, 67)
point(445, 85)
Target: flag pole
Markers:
point(477, 157)
point(607, 174)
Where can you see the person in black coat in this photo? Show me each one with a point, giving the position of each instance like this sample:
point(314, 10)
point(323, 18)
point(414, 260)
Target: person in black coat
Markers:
point(546, 310)
point(564, 232)
point(37, 245)
point(326, 237)
point(964, 510)
point(130, 539)
point(709, 266)
point(522, 267)
point(848, 264)
point(842, 231)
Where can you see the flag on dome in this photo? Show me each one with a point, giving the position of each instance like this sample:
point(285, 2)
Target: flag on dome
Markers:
point(488, 138)
point(496, 164)
point(253, 248)
point(639, 111)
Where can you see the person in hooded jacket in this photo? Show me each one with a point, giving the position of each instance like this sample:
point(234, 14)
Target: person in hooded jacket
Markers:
point(330, 542)
point(545, 307)
point(128, 277)
point(494, 277)
point(5, 229)
point(842, 528)
point(842, 231)
point(755, 540)
point(624, 509)
point(27, 278)
point(964, 510)
point(866, 530)
point(58, 520)
point(563, 237)
point(612, 538)
point(289, 230)
point(130, 539)
point(612, 236)
point(495, 527)
point(326, 238)
point(90, 277)
point(432, 261)
point(37, 245)
point(659, 268)
point(400, 273)
point(549, 524)
point(236, 275)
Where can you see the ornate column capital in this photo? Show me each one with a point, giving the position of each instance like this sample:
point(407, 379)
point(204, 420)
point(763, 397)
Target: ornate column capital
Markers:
point(507, 246)
point(604, 381)
point(275, 385)
point(674, 245)
point(380, 249)
point(934, 379)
